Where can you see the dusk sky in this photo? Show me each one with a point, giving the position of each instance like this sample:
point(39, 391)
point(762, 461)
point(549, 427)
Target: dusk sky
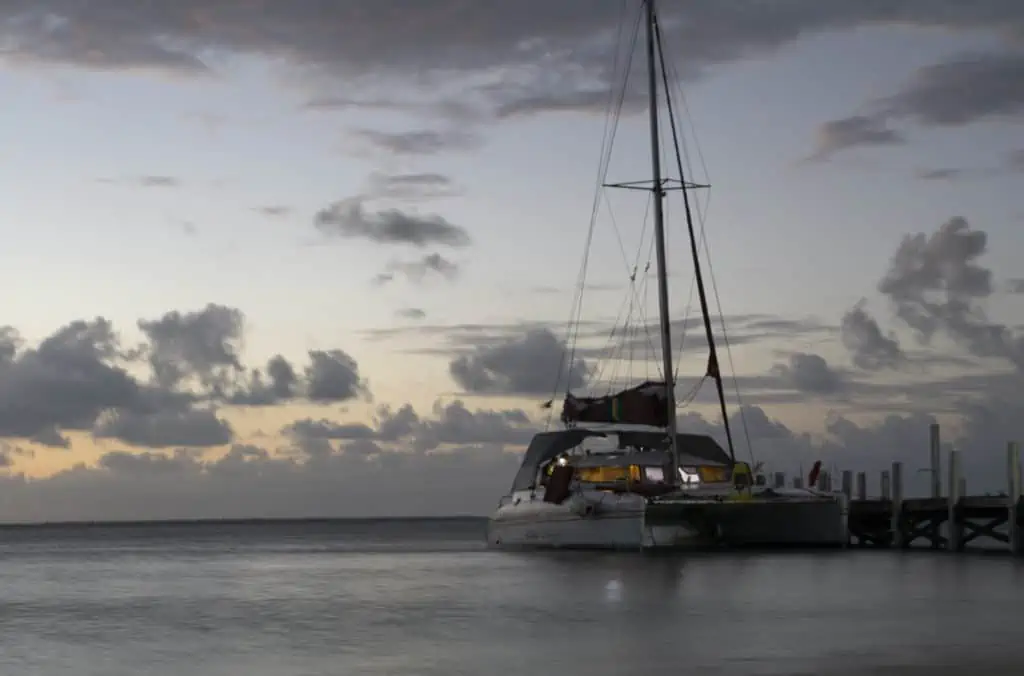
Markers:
point(318, 258)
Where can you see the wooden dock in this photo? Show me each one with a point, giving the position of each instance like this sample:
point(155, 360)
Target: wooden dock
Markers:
point(950, 522)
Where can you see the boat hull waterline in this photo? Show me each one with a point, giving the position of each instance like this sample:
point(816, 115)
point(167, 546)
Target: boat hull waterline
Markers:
point(633, 522)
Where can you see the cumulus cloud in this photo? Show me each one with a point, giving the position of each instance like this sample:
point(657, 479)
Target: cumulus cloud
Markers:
point(859, 130)
point(81, 378)
point(809, 373)
point(869, 348)
point(936, 284)
point(533, 364)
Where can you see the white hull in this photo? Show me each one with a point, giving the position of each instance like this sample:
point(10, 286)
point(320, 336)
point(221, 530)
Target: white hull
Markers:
point(611, 522)
point(598, 520)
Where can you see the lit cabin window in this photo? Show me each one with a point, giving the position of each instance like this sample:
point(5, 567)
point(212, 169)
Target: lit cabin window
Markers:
point(689, 476)
point(600, 475)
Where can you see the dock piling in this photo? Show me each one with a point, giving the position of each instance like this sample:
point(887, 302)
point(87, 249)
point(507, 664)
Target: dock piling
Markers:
point(847, 483)
point(862, 485)
point(898, 531)
point(885, 485)
point(936, 460)
point(1014, 493)
point(954, 528)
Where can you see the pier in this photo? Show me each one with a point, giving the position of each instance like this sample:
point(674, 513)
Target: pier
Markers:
point(951, 522)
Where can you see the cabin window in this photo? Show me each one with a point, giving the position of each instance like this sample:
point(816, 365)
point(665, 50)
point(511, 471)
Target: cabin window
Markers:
point(713, 475)
point(600, 475)
point(654, 475)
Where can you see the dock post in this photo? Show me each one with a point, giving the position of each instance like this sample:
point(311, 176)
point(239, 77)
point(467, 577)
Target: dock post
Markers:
point(847, 483)
point(885, 485)
point(798, 482)
point(862, 485)
point(1014, 478)
point(954, 531)
point(936, 460)
point(897, 504)
point(825, 482)
point(780, 480)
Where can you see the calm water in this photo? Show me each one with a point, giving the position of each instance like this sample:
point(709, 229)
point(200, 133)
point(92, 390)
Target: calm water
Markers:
point(408, 597)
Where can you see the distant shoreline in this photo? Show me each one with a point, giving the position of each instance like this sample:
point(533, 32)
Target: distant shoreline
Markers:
point(213, 521)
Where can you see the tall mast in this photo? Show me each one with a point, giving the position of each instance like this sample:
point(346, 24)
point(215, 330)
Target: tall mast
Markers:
point(658, 189)
point(713, 369)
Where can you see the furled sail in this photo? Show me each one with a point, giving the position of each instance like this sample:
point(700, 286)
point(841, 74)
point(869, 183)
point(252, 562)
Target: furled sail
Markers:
point(644, 404)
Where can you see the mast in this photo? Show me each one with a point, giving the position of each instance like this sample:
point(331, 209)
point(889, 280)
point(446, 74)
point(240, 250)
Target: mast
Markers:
point(658, 189)
point(713, 367)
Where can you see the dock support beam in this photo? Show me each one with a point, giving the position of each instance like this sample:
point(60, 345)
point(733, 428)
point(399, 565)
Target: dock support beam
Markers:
point(897, 504)
point(936, 460)
point(886, 494)
point(1014, 480)
point(862, 485)
point(847, 483)
point(954, 529)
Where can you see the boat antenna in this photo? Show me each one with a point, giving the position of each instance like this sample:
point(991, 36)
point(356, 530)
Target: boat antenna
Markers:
point(713, 368)
point(658, 189)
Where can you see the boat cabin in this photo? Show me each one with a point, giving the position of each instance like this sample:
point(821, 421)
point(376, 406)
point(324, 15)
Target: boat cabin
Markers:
point(637, 462)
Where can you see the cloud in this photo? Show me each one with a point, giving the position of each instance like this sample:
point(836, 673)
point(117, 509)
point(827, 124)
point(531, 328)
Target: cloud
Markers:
point(1015, 160)
point(275, 210)
point(165, 429)
point(946, 174)
point(81, 378)
point(418, 142)
point(349, 219)
point(1015, 285)
point(159, 181)
point(535, 56)
point(416, 271)
point(411, 187)
point(870, 349)
point(809, 373)
point(936, 284)
point(533, 364)
point(852, 132)
point(964, 90)
point(413, 313)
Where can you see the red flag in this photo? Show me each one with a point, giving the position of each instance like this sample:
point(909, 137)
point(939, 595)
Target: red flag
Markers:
point(812, 478)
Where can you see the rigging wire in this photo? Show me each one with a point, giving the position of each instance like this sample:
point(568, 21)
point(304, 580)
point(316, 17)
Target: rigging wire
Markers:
point(701, 214)
point(610, 127)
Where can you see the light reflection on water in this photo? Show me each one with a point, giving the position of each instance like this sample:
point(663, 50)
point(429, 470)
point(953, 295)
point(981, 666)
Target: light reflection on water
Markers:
point(426, 598)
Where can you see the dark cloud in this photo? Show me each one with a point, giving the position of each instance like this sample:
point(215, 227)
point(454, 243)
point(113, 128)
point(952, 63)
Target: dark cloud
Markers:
point(533, 364)
point(413, 313)
point(964, 90)
point(869, 347)
point(534, 55)
point(936, 284)
point(418, 142)
point(203, 346)
point(80, 378)
point(349, 219)
point(810, 374)
point(333, 375)
point(852, 132)
point(417, 271)
point(165, 429)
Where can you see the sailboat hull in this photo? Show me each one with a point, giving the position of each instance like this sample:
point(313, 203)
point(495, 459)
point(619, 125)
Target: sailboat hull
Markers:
point(587, 521)
point(631, 522)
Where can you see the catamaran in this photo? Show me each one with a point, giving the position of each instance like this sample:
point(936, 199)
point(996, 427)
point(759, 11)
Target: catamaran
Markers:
point(620, 475)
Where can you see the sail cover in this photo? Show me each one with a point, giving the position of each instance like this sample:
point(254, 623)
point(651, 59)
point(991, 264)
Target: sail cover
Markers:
point(645, 404)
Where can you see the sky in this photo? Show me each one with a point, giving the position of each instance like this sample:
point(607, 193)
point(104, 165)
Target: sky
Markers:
point(268, 259)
